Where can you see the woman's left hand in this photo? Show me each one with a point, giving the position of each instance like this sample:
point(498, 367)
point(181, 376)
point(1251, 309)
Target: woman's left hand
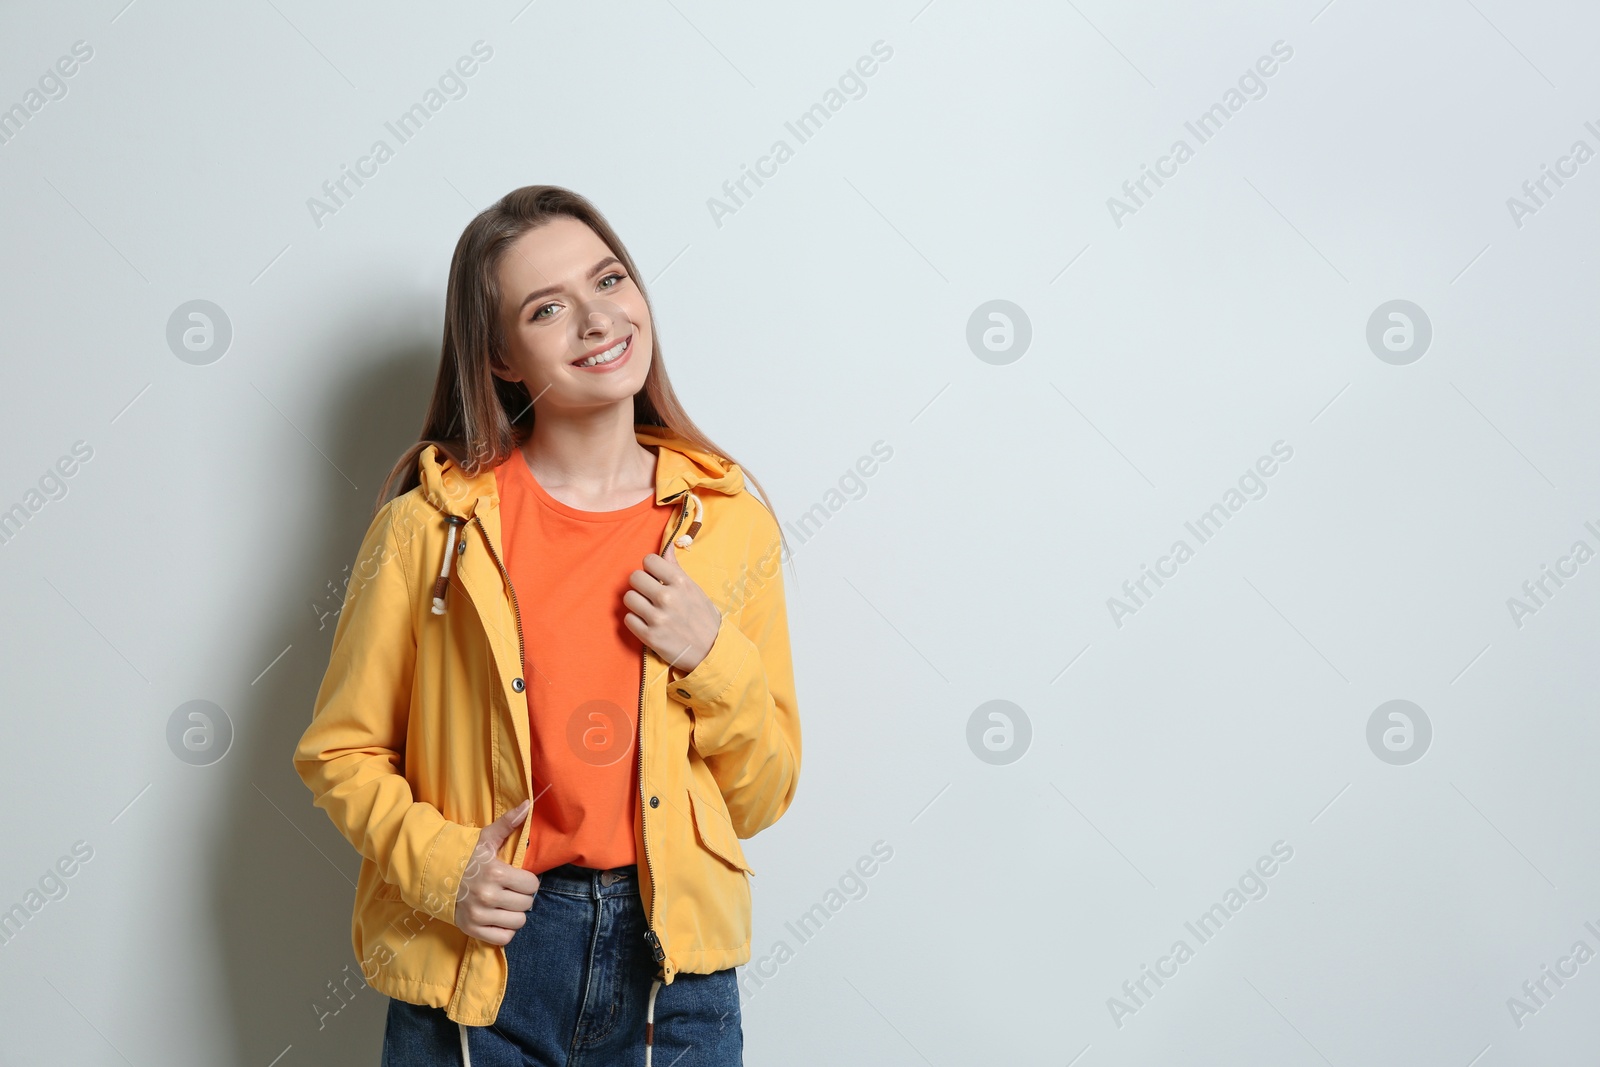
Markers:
point(670, 613)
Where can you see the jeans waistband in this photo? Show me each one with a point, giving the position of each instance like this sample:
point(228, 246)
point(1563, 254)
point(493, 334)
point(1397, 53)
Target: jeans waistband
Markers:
point(569, 879)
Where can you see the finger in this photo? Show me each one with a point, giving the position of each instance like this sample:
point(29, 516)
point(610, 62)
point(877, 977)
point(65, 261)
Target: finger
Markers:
point(498, 926)
point(664, 568)
point(514, 817)
point(518, 880)
point(646, 583)
point(641, 605)
point(506, 900)
point(505, 918)
point(496, 832)
point(636, 626)
point(502, 888)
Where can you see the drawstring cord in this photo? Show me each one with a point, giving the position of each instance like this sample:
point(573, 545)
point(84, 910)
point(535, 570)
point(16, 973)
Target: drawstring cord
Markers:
point(441, 584)
point(650, 1021)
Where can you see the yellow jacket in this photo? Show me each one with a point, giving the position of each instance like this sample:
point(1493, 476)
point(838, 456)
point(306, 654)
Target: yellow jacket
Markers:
point(419, 735)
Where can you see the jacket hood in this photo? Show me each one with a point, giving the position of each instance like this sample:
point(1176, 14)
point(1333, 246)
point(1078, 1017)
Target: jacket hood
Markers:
point(680, 466)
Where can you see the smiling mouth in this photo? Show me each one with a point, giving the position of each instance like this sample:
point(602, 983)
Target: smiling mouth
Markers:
point(609, 355)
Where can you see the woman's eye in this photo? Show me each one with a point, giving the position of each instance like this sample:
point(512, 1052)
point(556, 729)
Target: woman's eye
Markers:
point(540, 313)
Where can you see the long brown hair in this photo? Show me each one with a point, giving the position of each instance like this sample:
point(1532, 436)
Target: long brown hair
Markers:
point(477, 418)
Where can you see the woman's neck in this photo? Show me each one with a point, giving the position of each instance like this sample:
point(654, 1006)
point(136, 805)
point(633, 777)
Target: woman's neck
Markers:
point(592, 461)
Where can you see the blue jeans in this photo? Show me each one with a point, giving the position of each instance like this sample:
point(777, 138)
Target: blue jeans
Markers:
point(581, 980)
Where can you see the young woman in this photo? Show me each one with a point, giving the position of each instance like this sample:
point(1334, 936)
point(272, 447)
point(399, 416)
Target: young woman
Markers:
point(560, 687)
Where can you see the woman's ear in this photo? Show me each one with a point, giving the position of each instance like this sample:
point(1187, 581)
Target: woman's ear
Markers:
point(499, 369)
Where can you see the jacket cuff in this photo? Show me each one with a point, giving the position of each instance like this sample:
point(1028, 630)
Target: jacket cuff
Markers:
point(712, 677)
point(447, 863)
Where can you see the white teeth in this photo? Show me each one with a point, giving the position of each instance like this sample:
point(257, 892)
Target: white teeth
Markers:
point(605, 357)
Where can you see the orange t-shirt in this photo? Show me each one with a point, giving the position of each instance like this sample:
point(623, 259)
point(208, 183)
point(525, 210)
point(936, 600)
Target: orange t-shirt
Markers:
point(569, 569)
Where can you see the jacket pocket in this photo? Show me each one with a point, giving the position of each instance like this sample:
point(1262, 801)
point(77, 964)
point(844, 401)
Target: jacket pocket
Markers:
point(716, 833)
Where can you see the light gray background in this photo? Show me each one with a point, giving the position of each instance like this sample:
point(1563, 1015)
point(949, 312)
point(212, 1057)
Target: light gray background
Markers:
point(191, 556)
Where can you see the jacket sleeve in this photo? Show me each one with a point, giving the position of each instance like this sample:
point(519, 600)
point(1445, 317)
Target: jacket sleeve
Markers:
point(352, 755)
point(746, 723)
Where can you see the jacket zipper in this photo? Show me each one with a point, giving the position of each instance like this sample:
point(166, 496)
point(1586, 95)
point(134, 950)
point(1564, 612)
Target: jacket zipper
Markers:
point(650, 935)
point(522, 655)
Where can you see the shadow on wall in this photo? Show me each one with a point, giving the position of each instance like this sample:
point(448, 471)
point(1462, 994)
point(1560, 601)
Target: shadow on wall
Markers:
point(284, 882)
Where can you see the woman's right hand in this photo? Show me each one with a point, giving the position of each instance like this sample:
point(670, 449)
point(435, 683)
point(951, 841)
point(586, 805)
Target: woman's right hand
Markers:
point(493, 900)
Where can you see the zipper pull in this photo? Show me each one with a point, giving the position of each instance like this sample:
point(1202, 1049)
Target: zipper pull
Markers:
point(655, 945)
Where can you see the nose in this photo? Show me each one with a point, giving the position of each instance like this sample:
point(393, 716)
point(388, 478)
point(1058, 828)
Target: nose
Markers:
point(598, 317)
point(591, 327)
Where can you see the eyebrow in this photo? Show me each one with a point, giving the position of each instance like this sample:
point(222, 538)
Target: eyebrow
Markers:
point(547, 290)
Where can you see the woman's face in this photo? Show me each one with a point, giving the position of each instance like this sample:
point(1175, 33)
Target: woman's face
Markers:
point(564, 300)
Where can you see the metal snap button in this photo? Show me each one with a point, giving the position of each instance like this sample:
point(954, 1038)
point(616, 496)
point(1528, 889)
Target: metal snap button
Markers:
point(516, 683)
point(683, 693)
point(655, 802)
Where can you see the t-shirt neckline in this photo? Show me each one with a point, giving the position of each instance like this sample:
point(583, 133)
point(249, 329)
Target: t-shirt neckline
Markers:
point(525, 473)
